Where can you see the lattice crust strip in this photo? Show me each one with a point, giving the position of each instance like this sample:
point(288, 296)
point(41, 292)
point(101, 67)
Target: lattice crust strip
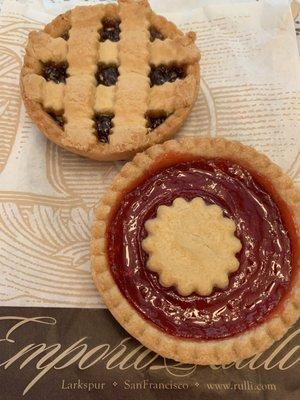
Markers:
point(133, 83)
point(80, 97)
point(80, 89)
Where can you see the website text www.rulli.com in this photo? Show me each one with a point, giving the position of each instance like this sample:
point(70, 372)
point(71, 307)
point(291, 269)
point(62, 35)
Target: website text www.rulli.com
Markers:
point(241, 386)
point(44, 358)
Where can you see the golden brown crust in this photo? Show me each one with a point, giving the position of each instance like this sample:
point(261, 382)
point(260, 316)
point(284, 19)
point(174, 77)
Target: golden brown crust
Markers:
point(37, 96)
point(198, 352)
point(182, 250)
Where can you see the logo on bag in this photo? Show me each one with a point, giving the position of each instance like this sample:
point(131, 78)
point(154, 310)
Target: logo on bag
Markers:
point(44, 358)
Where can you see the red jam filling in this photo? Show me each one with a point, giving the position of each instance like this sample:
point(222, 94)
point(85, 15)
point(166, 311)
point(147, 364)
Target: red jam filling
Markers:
point(264, 227)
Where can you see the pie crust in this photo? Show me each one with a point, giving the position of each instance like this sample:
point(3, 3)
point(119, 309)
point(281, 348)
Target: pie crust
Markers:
point(73, 42)
point(194, 253)
point(203, 352)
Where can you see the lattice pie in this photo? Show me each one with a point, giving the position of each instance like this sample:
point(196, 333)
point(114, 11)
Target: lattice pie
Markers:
point(106, 81)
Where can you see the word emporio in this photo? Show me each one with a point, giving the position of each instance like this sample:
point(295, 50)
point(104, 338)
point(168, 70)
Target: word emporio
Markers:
point(44, 358)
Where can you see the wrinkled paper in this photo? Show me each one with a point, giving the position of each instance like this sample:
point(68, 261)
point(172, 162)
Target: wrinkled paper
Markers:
point(250, 91)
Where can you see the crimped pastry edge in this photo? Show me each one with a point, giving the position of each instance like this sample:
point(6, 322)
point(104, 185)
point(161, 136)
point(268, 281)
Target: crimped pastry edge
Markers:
point(107, 152)
point(221, 351)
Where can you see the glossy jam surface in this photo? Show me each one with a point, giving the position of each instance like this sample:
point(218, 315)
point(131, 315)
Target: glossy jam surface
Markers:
point(254, 290)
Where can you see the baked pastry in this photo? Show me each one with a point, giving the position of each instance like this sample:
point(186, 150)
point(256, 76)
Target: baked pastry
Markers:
point(106, 81)
point(195, 250)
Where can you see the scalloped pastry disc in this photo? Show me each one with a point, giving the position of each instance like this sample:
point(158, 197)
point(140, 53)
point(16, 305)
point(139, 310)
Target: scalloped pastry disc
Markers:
point(192, 246)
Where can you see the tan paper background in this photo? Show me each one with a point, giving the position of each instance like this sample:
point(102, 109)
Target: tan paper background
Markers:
point(250, 92)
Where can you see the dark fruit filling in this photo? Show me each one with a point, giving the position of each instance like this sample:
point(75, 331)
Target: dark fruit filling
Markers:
point(155, 34)
point(65, 35)
point(153, 121)
point(59, 119)
point(110, 30)
point(263, 225)
point(162, 74)
point(103, 125)
point(107, 75)
point(55, 72)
